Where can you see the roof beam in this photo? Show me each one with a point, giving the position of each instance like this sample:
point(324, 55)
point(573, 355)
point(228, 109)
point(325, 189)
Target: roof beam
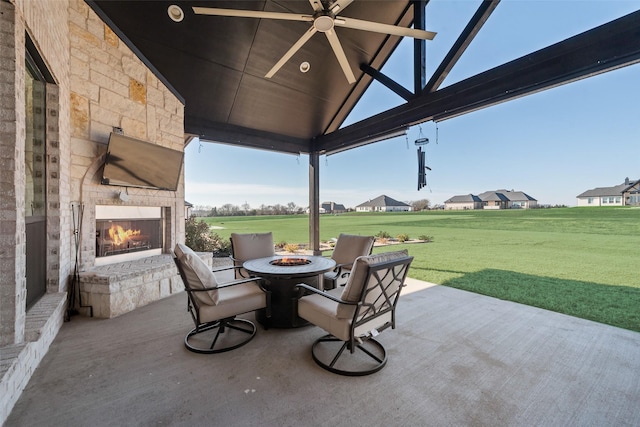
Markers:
point(419, 46)
point(485, 10)
point(601, 49)
point(377, 62)
point(240, 136)
point(396, 87)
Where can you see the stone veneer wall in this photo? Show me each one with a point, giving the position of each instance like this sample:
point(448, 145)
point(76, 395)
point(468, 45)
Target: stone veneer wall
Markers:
point(98, 84)
point(111, 87)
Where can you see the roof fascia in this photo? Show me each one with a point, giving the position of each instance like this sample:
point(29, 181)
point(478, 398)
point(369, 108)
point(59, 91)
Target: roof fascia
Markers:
point(245, 137)
point(610, 46)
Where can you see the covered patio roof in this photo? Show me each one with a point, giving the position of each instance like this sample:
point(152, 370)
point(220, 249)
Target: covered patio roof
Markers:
point(217, 65)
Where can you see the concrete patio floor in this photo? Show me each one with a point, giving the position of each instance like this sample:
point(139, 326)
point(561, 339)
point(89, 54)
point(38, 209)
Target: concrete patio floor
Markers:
point(455, 358)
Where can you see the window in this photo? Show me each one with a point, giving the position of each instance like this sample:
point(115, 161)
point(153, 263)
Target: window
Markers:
point(590, 200)
point(35, 156)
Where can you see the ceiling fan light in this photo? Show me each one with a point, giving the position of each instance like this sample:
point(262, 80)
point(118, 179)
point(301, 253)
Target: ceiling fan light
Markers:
point(175, 13)
point(323, 23)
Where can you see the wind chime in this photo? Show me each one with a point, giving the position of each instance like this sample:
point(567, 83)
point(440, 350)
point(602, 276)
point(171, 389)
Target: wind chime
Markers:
point(422, 157)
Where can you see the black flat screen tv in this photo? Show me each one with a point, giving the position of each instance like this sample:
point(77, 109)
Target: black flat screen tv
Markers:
point(131, 162)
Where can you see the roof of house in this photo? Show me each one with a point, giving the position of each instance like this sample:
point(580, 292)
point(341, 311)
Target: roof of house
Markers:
point(465, 198)
point(489, 196)
point(333, 206)
point(381, 201)
point(505, 196)
point(616, 190)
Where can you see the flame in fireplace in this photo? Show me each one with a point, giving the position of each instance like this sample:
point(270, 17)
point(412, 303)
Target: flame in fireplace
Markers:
point(119, 235)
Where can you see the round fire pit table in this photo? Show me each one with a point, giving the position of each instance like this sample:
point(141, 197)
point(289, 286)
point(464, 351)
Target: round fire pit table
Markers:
point(282, 273)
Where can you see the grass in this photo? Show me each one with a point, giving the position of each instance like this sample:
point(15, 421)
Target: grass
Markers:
point(579, 261)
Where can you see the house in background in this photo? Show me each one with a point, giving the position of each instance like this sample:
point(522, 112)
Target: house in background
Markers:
point(463, 202)
point(332, 207)
point(188, 209)
point(499, 199)
point(625, 194)
point(383, 204)
point(504, 199)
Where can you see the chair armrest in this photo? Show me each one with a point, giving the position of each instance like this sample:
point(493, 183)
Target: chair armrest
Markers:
point(236, 260)
point(337, 270)
point(304, 286)
point(240, 282)
point(216, 270)
point(228, 284)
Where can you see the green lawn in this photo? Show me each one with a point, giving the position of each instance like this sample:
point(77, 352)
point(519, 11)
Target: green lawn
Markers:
point(578, 261)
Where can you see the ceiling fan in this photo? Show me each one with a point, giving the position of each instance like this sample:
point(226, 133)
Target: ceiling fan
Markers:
point(324, 19)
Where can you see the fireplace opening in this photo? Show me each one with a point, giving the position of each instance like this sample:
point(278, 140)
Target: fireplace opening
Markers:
point(123, 236)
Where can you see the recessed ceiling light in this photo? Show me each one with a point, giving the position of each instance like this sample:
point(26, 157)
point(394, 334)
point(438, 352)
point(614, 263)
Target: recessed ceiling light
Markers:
point(304, 67)
point(175, 13)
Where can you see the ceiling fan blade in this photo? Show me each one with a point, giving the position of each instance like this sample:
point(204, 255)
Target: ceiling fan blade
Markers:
point(251, 14)
point(316, 5)
point(297, 45)
point(342, 58)
point(339, 5)
point(376, 27)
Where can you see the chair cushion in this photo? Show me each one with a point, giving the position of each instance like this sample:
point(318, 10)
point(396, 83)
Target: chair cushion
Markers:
point(197, 274)
point(349, 247)
point(252, 246)
point(321, 312)
point(353, 289)
point(234, 300)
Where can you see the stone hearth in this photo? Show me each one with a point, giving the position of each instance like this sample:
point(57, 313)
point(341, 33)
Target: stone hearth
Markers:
point(118, 288)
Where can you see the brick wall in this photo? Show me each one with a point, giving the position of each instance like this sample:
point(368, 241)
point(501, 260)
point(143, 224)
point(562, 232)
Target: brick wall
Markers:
point(12, 184)
point(97, 84)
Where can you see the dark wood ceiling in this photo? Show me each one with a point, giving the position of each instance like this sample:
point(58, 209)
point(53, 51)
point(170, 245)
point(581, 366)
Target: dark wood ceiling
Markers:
point(216, 65)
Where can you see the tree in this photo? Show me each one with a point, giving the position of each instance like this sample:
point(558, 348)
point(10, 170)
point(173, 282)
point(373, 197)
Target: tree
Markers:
point(420, 205)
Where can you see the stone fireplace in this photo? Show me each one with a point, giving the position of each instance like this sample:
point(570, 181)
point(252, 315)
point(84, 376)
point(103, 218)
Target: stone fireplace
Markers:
point(127, 254)
point(126, 239)
point(125, 233)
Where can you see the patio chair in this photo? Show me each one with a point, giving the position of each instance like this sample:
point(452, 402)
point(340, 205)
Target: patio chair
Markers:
point(250, 246)
point(355, 314)
point(347, 249)
point(214, 306)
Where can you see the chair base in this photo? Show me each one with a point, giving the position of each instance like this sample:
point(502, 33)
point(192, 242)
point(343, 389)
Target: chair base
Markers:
point(369, 356)
point(228, 334)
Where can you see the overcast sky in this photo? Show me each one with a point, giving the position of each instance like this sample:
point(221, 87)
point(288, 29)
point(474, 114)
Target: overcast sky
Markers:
point(552, 145)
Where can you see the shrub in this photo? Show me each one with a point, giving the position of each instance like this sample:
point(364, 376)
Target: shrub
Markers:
point(291, 247)
point(383, 235)
point(426, 238)
point(403, 237)
point(199, 237)
point(281, 244)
